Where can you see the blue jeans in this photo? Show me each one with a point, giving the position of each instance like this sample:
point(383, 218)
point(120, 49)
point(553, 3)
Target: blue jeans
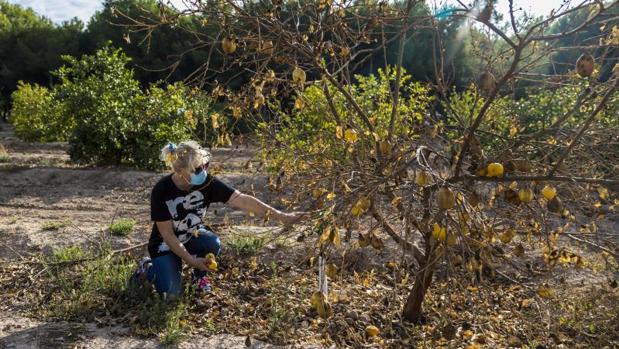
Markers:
point(165, 272)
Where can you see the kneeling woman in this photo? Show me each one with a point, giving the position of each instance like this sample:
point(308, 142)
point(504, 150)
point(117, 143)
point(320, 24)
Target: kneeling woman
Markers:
point(178, 204)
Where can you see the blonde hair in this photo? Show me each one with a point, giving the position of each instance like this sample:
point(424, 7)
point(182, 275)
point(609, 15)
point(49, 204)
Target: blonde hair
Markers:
point(184, 156)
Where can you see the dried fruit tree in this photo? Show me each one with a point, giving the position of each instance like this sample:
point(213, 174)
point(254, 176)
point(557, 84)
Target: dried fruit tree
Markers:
point(374, 156)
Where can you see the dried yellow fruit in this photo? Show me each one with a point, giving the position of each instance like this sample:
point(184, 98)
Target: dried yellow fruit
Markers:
point(258, 100)
point(486, 82)
point(372, 331)
point(298, 76)
point(511, 196)
point(545, 291)
point(362, 205)
point(507, 236)
point(212, 264)
point(422, 178)
point(331, 270)
point(339, 132)
point(438, 232)
point(299, 103)
point(495, 169)
point(376, 242)
point(585, 65)
point(603, 192)
point(320, 303)
point(350, 135)
point(396, 201)
point(525, 195)
point(356, 211)
point(549, 192)
point(446, 198)
point(555, 205)
point(385, 147)
point(317, 192)
point(228, 45)
point(266, 47)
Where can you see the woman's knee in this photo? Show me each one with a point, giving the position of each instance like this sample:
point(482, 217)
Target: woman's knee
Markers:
point(165, 275)
point(208, 242)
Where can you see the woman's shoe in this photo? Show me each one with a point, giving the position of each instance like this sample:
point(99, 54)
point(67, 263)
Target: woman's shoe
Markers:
point(139, 275)
point(203, 284)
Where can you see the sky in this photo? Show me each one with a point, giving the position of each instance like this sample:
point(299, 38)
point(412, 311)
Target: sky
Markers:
point(62, 10)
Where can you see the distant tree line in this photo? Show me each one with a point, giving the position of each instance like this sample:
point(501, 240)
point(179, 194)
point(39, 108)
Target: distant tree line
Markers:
point(31, 46)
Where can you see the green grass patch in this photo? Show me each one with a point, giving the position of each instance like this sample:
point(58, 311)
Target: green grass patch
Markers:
point(122, 227)
point(55, 224)
point(100, 288)
point(95, 284)
point(163, 318)
point(69, 253)
point(246, 244)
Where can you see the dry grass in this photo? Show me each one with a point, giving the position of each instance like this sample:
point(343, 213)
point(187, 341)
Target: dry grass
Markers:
point(4, 154)
point(269, 298)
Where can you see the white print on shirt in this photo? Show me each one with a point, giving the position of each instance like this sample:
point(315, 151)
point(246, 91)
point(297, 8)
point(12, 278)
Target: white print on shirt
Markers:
point(194, 201)
point(187, 223)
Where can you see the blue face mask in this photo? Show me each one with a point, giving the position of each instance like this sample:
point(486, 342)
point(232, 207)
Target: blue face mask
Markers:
point(198, 178)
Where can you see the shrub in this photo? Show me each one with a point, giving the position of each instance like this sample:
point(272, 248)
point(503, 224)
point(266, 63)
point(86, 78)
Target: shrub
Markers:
point(161, 116)
point(122, 227)
point(509, 117)
point(311, 129)
point(100, 94)
point(101, 110)
point(543, 107)
point(37, 115)
point(115, 122)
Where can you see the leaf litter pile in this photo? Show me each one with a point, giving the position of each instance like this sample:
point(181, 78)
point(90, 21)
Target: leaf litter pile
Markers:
point(267, 294)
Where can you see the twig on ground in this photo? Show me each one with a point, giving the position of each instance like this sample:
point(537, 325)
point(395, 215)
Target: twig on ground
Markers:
point(590, 243)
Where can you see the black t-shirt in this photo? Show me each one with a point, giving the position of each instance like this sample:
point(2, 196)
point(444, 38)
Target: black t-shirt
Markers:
point(184, 208)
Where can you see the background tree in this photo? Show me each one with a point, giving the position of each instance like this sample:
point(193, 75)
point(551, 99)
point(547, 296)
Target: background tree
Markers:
point(28, 37)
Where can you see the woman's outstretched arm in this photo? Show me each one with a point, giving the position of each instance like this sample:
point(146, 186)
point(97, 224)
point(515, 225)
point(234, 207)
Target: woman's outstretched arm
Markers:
point(249, 203)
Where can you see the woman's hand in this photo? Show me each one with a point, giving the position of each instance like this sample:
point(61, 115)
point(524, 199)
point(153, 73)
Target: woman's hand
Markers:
point(199, 263)
point(290, 218)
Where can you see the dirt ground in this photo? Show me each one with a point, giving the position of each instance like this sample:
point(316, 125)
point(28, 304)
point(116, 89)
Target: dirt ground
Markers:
point(39, 186)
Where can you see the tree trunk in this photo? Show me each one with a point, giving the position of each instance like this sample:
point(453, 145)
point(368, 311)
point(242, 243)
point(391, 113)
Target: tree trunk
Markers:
point(413, 307)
